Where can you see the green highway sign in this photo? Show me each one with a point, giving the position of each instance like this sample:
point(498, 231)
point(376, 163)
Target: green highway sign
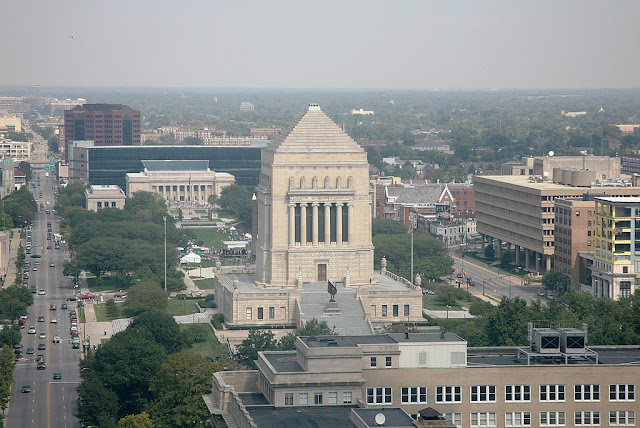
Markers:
point(49, 167)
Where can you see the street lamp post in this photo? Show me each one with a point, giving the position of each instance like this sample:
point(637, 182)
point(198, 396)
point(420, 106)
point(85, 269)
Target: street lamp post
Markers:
point(411, 215)
point(164, 218)
point(448, 306)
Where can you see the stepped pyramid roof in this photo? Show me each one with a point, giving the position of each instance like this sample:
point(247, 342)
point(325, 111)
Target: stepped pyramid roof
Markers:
point(315, 132)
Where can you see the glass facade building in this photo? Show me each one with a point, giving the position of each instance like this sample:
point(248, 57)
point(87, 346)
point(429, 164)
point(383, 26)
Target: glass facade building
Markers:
point(109, 165)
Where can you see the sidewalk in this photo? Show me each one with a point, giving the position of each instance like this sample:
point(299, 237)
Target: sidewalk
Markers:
point(92, 330)
point(10, 268)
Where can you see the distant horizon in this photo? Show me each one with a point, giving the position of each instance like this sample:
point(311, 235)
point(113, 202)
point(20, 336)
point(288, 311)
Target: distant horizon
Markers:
point(295, 89)
point(432, 45)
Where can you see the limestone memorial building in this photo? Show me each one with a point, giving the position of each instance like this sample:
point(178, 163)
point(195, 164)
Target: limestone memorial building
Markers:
point(314, 226)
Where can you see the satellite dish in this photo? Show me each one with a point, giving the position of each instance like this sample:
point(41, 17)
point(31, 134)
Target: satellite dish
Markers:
point(551, 153)
point(546, 174)
point(380, 419)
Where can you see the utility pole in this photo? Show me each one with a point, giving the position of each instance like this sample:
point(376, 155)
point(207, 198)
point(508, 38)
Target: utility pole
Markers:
point(165, 252)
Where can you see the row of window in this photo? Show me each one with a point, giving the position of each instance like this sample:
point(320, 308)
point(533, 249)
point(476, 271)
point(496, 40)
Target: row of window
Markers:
point(512, 393)
point(318, 398)
point(394, 310)
point(106, 204)
point(546, 418)
point(272, 313)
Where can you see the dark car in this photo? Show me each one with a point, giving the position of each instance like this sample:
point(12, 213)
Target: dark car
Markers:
point(42, 347)
point(57, 376)
point(64, 306)
point(41, 365)
point(26, 389)
point(35, 256)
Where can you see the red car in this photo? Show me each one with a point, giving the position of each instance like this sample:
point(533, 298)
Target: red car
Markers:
point(88, 296)
point(120, 294)
point(48, 247)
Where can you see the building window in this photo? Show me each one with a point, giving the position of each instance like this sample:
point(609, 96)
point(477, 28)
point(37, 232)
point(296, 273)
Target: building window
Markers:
point(303, 399)
point(483, 394)
point(448, 394)
point(379, 396)
point(395, 310)
point(588, 243)
point(552, 419)
point(373, 362)
point(586, 392)
point(288, 398)
point(249, 313)
point(406, 310)
point(347, 398)
point(387, 362)
point(414, 394)
point(577, 213)
point(454, 418)
point(622, 417)
point(260, 313)
point(99, 204)
point(517, 419)
point(622, 392)
point(551, 392)
point(272, 312)
point(483, 419)
point(625, 269)
point(384, 310)
point(317, 398)
point(586, 418)
point(333, 398)
point(625, 288)
point(517, 393)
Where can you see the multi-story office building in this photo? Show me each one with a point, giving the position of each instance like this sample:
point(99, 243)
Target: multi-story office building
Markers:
point(574, 227)
point(66, 104)
point(109, 165)
point(10, 124)
point(104, 124)
point(555, 382)
point(615, 272)
point(520, 210)
point(17, 150)
point(631, 163)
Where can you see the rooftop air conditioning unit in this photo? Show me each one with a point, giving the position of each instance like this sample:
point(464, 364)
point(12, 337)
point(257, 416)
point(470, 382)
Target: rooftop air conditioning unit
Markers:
point(545, 341)
point(572, 340)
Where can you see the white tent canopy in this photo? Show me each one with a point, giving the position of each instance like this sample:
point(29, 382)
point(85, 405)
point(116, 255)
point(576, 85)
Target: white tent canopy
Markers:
point(190, 258)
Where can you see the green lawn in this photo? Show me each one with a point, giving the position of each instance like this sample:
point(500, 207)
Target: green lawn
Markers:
point(104, 283)
point(80, 312)
point(181, 307)
point(210, 236)
point(204, 284)
point(433, 303)
point(207, 343)
point(101, 312)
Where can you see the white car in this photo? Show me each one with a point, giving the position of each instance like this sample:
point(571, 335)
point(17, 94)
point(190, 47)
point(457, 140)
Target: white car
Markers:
point(74, 328)
point(41, 292)
point(32, 330)
point(42, 335)
point(54, 320)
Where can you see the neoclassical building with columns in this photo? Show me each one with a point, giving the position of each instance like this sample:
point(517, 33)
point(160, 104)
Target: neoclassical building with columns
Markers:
point(313, 206)
point(178, 180)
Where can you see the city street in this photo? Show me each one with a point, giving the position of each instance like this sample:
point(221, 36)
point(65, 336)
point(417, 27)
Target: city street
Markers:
point(51, 403)
point(491, 281)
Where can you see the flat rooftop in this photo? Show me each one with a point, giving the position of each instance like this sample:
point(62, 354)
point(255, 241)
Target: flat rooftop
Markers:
point(523, 181)
point(284, 362)
point(622, 200)
point(395, 417)
point(374, 339)
point(508, 356)
point(301, 417)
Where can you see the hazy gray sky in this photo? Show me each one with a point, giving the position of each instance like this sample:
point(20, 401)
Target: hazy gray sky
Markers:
point(322, 44)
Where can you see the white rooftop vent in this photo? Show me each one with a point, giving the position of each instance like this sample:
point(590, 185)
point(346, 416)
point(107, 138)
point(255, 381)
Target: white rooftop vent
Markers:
point(314, 107)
